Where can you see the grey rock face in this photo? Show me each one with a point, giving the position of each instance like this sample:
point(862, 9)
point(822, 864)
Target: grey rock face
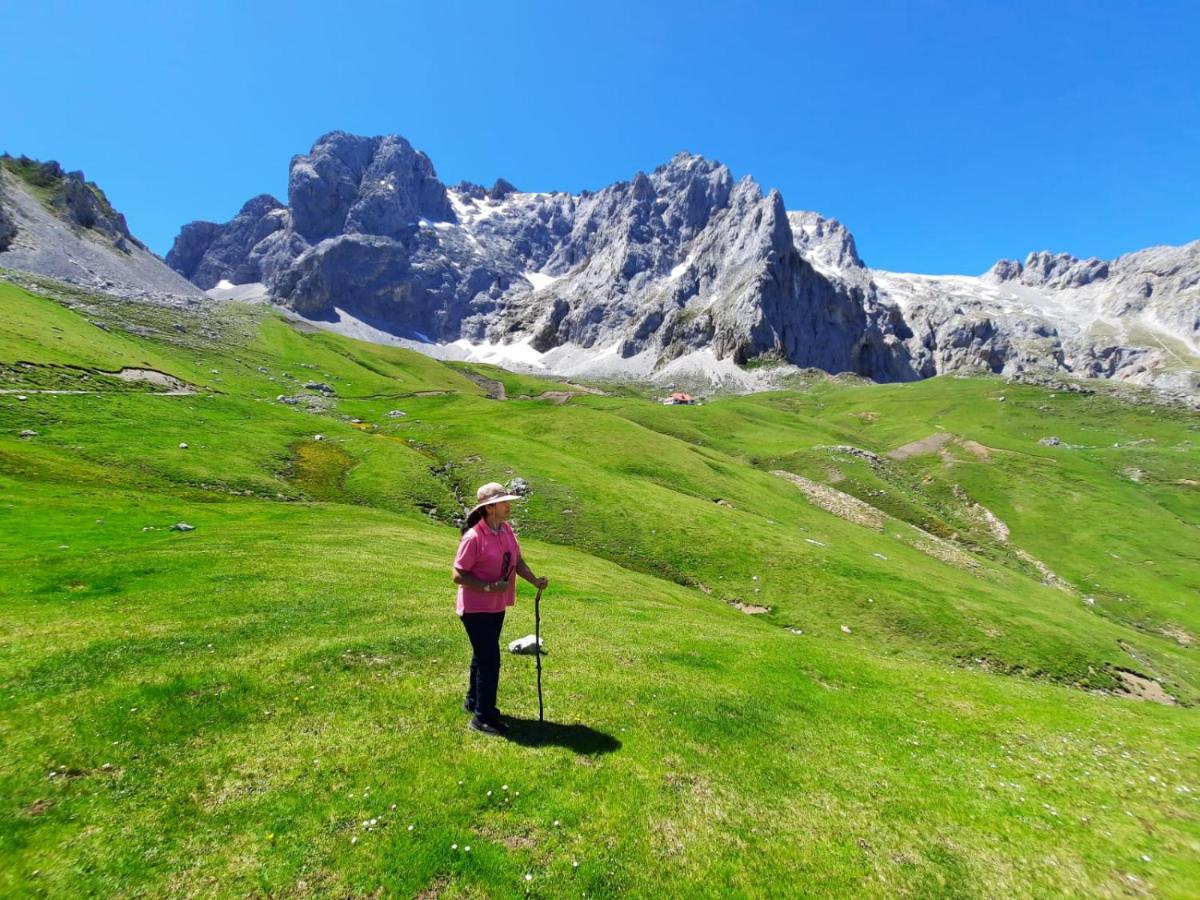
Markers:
point(187, 253)
point(824, 242)
point(684, 259)
point(8, 228)
point(1004, 270)
point(356, 185)
point(1050, 270)
point(206, 253)
point(470, 189)
point(71, 197)
point(69, 231)
point(501, 189)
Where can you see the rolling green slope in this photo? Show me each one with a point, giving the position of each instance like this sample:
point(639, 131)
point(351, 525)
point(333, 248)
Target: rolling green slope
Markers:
point(267, 703)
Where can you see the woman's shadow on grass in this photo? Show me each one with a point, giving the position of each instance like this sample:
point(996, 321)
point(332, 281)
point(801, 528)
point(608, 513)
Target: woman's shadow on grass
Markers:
point(579, 738)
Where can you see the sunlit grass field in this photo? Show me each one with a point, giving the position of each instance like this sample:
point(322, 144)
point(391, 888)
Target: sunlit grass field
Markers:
point(269, 704)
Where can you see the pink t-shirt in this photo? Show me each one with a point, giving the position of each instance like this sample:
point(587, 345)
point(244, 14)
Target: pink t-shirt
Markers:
point(484, 554)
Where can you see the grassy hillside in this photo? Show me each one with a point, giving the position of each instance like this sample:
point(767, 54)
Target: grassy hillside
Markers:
point(932, 703)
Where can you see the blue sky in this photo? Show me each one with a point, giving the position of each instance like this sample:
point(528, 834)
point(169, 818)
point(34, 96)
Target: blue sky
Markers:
point(945, 135)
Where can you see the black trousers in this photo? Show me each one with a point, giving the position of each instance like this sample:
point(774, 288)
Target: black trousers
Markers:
point(484, 631)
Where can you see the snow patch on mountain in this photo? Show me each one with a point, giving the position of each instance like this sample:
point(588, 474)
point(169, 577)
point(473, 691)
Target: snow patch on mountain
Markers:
point(540, 280)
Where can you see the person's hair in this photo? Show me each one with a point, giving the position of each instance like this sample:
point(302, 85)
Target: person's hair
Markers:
point(474, 518)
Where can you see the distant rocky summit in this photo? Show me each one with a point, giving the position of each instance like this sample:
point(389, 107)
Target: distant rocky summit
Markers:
point(1135, 318)
point(58, 224)
point(681, 268)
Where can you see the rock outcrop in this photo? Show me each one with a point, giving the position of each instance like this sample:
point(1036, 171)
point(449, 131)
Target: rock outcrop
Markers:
point(206, 253)
point(58, 224)
point(8, 228)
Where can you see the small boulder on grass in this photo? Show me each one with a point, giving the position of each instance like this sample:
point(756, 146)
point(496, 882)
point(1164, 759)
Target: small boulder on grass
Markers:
point(528, 645)
point(28, 433)
point(183, 526)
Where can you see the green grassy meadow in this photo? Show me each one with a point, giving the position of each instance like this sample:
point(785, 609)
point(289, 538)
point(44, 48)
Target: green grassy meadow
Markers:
point(931, 705)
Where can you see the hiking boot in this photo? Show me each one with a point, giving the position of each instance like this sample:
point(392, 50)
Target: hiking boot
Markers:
point(485, 727)
point(495, 722)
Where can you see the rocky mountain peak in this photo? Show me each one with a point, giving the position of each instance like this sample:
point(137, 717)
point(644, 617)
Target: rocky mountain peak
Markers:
point(1062, 270)
point(1004, 270)
point(58, 224)
point(71, 197)
point(824, 242)
point(348, 184)
point(501, 189)
point(1050, 270)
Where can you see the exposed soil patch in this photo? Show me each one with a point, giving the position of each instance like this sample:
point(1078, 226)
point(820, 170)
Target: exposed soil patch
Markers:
point(37, 807)
point(559, 397)
point(434, 890)
point(155, 377)
point(931, 444)
point(511, 841)
point(749, 608)
point(841, 504)
point(1139, 687)
point(978, 449)
point(940, 443)
point(1178, 634)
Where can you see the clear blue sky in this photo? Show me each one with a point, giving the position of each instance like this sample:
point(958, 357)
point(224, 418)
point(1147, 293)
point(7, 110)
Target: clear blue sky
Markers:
point(944, 134)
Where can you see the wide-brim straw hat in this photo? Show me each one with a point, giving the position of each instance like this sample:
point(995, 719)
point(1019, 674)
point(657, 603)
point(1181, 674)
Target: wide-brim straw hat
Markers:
point(492, 492)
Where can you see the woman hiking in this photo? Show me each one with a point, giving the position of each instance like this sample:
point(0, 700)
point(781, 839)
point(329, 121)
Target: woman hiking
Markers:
point(488, 559)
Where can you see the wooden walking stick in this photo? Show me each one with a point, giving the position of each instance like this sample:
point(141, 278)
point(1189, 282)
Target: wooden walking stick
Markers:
point(537, 643)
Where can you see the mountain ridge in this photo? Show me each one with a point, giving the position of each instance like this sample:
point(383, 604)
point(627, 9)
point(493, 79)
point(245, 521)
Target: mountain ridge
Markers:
point(684, 262)
point(683, 271)
point(58, 224)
